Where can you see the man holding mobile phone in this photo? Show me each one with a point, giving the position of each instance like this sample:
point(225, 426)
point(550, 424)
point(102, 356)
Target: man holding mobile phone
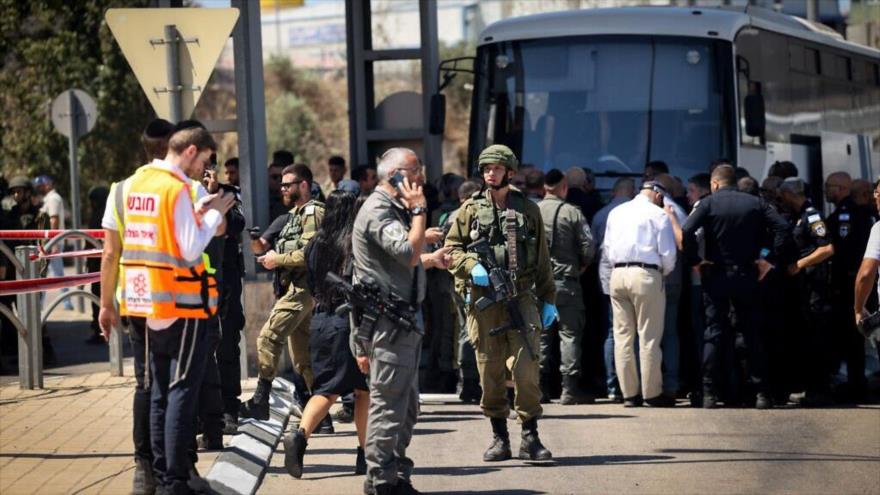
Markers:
point(389, 240)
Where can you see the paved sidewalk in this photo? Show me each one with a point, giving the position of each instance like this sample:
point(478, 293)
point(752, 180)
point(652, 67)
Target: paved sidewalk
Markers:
point(74, 436)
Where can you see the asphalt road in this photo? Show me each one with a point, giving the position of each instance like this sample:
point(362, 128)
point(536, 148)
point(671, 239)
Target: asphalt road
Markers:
point(605, 448)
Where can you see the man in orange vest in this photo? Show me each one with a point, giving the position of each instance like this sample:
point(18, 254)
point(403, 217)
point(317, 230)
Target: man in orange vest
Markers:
point(161, 277)
point(155, 144)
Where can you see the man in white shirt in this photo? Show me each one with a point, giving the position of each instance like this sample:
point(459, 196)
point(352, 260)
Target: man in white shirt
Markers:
point(193, 227)
point(869, 268)
point(53, 207)
point(640, 246)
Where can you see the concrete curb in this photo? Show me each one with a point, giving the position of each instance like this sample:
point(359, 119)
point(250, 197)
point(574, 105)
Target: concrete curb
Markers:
point(239, 469)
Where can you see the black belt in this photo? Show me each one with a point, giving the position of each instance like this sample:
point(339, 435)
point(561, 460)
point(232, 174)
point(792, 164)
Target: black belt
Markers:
point(648, 266)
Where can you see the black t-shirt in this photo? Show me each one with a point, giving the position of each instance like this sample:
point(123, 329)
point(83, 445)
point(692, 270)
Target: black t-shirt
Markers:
point(271, 233)
point(849, 228)
point(810, 231)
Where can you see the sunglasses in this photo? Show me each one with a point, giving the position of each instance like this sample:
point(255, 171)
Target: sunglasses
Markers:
point(288, 185)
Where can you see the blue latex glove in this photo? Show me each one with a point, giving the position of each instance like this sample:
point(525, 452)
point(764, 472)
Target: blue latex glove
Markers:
point(480, 276)
point(549, 314)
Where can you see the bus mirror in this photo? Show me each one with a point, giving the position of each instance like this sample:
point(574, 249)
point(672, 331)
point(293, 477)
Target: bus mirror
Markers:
point(437, 121)
point(754, 113)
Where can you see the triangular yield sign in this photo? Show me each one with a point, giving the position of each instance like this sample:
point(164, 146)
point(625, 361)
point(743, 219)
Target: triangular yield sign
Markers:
point(207, 29)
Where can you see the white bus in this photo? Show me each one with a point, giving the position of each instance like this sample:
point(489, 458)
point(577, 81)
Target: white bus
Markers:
point(613, 89)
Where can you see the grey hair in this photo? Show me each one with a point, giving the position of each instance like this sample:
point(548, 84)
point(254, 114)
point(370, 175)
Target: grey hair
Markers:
point(793, 185)
point(392, 160)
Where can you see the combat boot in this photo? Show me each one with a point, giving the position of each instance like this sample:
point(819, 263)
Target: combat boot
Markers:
point(326, 426)
point(144, 483)
point(531, 447)
point(257, 407)
point(544, 383)
point(294, 449)
point(572, 393)
point(500, 448)
point(360, 462)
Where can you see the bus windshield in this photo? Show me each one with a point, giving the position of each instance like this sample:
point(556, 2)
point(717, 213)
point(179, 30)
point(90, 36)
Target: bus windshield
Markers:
point(612, 104)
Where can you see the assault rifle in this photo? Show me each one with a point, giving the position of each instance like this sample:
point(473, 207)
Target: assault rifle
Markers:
point(366, 296)
point(502, 288)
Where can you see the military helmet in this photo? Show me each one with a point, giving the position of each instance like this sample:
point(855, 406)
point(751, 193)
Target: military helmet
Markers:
point(20, 181)
point(498, 153)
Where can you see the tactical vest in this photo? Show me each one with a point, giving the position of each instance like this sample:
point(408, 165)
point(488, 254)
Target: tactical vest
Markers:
point(492, 227)
point(290, 238)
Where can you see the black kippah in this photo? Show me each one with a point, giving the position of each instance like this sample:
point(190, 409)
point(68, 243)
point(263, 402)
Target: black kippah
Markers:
point(158, 129)
point(188, 124)
point(553, 177)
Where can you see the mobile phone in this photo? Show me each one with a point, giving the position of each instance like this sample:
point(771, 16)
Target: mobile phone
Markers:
point(396, 180)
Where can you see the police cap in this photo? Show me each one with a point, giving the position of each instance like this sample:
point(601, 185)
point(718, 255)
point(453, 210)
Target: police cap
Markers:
point(498, 153)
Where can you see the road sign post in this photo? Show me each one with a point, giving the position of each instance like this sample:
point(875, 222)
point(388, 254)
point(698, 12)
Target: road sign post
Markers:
point(74, 114)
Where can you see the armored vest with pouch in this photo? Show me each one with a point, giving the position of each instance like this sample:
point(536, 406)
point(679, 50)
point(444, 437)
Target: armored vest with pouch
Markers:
point(290, 239)
point(491, 224)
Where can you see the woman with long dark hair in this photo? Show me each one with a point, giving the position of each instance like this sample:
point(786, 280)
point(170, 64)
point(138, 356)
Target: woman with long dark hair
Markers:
point(333, 365)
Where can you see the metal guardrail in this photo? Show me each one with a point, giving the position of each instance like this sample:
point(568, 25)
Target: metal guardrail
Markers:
point(29, 320)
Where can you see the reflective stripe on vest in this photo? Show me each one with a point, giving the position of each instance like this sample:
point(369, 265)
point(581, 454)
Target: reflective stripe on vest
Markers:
point(194, 191)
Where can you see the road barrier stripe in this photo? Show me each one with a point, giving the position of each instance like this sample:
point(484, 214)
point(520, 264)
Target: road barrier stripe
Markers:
point(240, 468)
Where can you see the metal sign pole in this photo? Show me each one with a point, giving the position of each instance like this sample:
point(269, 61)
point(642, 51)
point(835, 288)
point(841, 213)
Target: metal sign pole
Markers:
point(30, 348)
point(76, 116)
point(172, 67)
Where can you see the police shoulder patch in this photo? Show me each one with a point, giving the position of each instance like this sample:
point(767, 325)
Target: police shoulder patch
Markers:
point(394, 230)
point(818, 228)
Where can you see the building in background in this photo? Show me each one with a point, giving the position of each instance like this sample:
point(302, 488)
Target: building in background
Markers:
point(312, 33)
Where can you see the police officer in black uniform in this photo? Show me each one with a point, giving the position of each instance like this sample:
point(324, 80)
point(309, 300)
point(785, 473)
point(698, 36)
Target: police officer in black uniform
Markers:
point(849, 227)
point(735, 226)
point(813, 244)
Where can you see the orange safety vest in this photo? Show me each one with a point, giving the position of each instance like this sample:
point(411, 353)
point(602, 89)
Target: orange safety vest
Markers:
point(155, 280)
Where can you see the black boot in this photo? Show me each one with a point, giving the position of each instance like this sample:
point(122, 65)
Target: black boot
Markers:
point(531, 447)
point(470, 391)
point(257, 407)
point(572, 393)
point(500, 448)
point(326, 426)
point(144, 482)
point(230, 424)
point(294, 449)
point(545, 387)
point(360, 462)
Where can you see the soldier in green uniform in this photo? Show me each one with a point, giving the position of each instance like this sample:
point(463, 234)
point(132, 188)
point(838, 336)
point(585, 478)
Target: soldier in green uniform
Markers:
point(571, 251)
point(291, 314)
point(513, 227)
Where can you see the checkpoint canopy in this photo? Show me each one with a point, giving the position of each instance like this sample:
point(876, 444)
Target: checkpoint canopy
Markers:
point(202, 34)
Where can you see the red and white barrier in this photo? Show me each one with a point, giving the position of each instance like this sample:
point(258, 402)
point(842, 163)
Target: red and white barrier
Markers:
point(10, 287)
point(44, 234)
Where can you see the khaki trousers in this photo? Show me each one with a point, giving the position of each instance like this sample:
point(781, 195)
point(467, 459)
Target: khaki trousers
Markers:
point(289, 320)
point(503, 355)
point(638, 305)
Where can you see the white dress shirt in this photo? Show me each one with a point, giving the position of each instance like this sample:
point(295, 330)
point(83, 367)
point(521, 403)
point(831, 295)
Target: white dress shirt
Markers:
point(639, 231)
point(191, 235)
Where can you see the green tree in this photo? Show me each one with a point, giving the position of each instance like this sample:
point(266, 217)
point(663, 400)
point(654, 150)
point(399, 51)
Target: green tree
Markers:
point(47, 47)
point(306, 113)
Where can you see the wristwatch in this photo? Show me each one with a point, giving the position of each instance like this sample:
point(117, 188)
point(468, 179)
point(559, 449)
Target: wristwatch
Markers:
point(418, 210)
